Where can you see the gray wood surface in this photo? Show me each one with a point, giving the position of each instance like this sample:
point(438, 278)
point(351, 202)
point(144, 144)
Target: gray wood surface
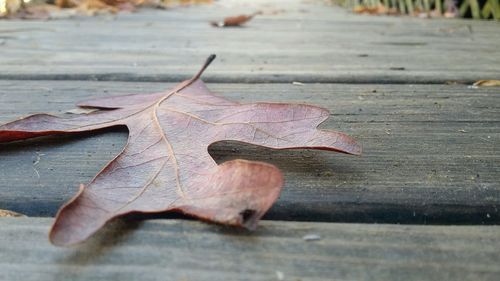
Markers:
point(294, 40)
point(183, 250)
point(431, 152)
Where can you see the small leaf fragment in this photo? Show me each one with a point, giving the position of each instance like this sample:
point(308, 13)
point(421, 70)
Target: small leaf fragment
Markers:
point(487, 83)
point(7, 213)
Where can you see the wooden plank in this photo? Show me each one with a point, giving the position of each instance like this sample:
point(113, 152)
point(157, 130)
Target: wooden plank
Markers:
point(431, 152)
point(186, 250)
point(308, 42)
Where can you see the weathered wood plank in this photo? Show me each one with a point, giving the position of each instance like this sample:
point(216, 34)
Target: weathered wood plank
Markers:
point(308, 42)
point(184, 250)
point(431, 153)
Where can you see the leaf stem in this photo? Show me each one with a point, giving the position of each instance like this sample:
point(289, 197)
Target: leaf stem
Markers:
point(186, 83)
point(200, 72)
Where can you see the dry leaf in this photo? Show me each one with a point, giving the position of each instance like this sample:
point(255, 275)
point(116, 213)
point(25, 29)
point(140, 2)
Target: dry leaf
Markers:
point(66, 3)
point(66, 8)
point(93, 7)
point(377, 10)
point(487, 83)
point(234, 21)
point(165, 166)
point(174, 3)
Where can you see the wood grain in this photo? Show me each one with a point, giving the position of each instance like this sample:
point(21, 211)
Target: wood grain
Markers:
point(184, 250)
point(430, 151)
point(292, 41)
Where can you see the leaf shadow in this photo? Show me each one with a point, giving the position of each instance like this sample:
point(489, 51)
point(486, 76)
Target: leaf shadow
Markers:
point(131, 229)
point(43, 161)
point(304, 161)
point(75, 259)
point(56, 141)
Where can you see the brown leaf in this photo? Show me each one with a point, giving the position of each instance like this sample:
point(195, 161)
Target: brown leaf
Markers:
point(376, 10)
point(92, 7)
point(15, 9)
point(7, 213)
point(487, 83)
point(174, 3)
point(234, 21)
point(165, 165)
point(66, 3)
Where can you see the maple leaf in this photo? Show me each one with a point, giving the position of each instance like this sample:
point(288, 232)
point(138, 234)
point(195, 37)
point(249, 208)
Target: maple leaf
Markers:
point(165, 165)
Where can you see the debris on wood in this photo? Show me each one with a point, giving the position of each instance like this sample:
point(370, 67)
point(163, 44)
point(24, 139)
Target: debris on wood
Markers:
point(311, 237)
point(7, 213)
point(280, 275)
point(487, 83)
point(44, 9)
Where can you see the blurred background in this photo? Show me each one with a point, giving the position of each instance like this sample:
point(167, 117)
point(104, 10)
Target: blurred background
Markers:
point(477, 9)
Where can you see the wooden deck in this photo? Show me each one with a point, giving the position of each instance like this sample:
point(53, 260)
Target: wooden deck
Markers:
point(399, 85)
point(187, 250)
